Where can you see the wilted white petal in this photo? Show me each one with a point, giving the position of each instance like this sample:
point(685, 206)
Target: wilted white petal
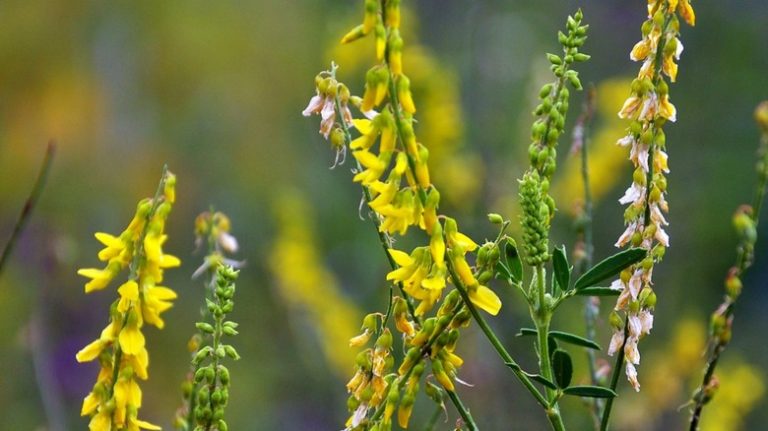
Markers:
point(371, 114)
point(635, 283)
point(627, 235)
point(634, 326)
point(228, 242)
point(661, 236)
point(679, 49)
point(646, 320)
point(639, 155)
point(632, 376)
point(626, 141)
point(630, 350)
point(635, 193)
point(314, 106)
point(616, 341)
point(657, 216)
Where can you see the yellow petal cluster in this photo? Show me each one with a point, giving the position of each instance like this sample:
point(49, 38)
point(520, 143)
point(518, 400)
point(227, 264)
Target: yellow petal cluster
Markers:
point(114, 402)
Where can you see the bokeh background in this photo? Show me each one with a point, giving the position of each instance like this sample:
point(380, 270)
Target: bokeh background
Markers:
point(215, 89)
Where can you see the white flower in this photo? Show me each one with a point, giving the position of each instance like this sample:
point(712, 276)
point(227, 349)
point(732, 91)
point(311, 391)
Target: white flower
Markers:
point(635, 193)
point(616, 341)
point(632, 376)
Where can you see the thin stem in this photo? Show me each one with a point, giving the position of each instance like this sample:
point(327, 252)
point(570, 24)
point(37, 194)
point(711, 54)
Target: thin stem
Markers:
point(30, 204)
point(591, 304)
point(432, 422)
point(465, 415)
point(615, 379)
point(542, 316)
point(494, 340)
point(744, 260)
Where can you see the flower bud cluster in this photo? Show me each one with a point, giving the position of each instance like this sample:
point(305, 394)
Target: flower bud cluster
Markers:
point(211, 376)
point(535, 218)
point(552, 109)
point(648, 108)
point(116, 397)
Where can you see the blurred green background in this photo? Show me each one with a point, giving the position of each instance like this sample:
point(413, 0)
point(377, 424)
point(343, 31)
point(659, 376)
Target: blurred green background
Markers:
point(215, 89)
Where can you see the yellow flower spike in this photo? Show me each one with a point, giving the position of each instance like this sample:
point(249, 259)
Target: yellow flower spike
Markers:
point(404, 94)
point(401, 164)
point(441, 376)
point(354, 34)
point(102, 421)
point(100, 278)
point(113, 243)
point(400, 257)
point(91, 351)
point(640, 51)
point(364, 125)
point(139, 363)
point(404, 414)
point(436, 244)
point(686, 12)
point(131, 339)
point(393, 13)
point(90, 403)
point(463, 270)
point(371, 15)
point(169, 261)
point(670, 68)
point(129, 293)
point(381, 41)
point(169, 187)
point(388, 139)
point(136, 425)
point(435, 281)
point(486, 299)
point(666, 109)
point(395, 52)
point(422, 171)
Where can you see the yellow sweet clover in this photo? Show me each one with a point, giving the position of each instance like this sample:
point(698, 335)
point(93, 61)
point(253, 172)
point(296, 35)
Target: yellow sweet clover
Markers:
point(648, 107)
point(114, 402)
point(392, 168)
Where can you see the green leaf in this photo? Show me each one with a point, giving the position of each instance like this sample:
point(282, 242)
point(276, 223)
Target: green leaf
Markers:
point(610, 267)
point(561, 269)
point(574, 339)
point(589, 391)
point(598, 291)
point(565, 337)
point(562, 366)
point(541, 379)
point(535, 377)
point(514, 263)
point(526, 331)
point(504, 272)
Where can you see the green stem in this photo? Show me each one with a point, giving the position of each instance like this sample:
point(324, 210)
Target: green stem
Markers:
point(615, 379)
point(543, 316)
point(744, 260)
point(29, 205)
point(591, 304)
point(465, 415)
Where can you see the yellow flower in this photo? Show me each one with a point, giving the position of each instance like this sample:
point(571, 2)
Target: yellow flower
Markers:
point(113, 405)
